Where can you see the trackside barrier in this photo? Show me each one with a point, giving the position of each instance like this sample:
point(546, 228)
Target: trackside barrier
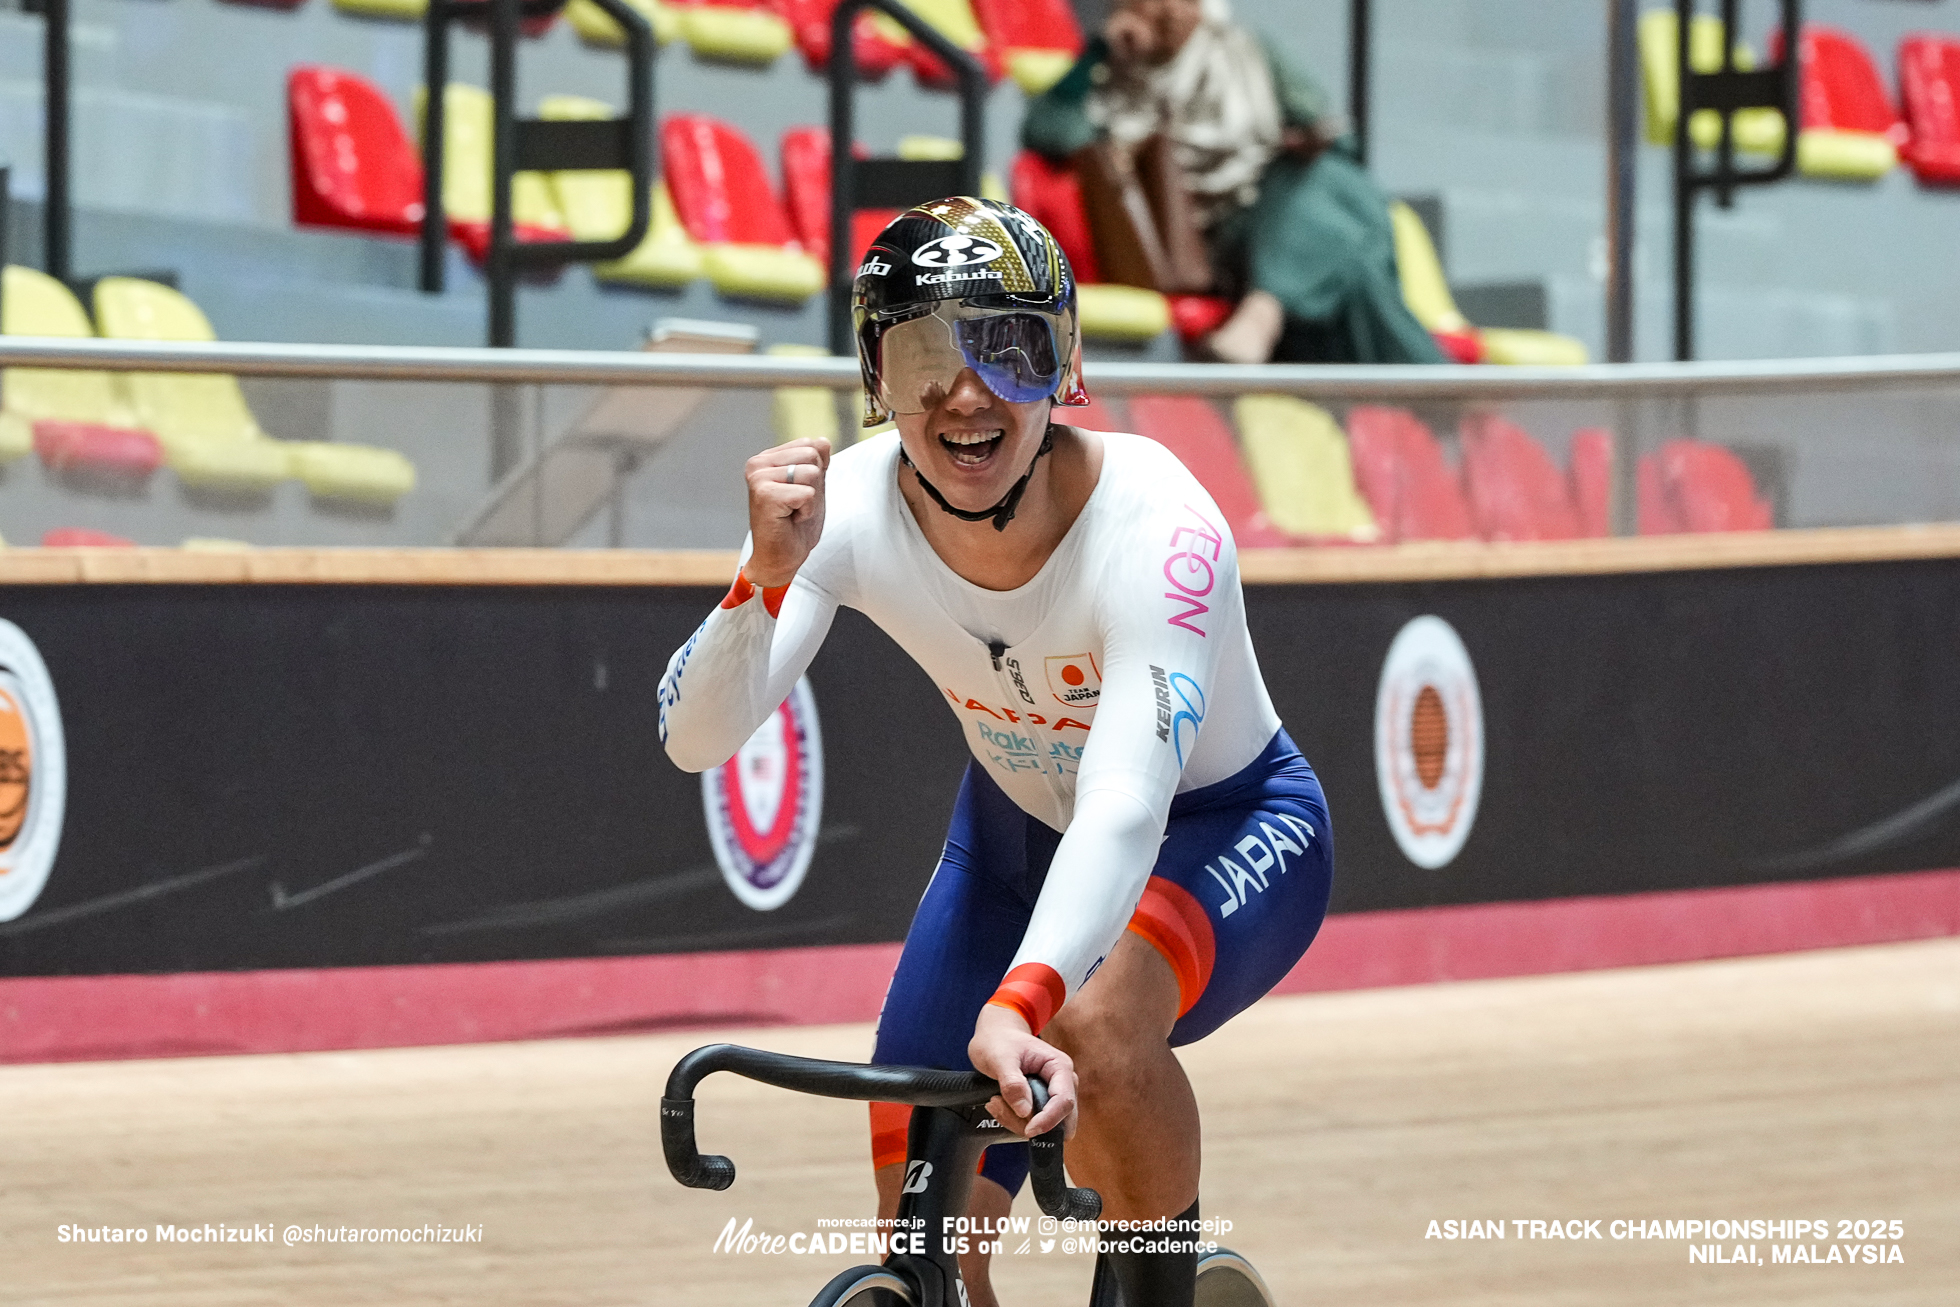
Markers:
point(547, 447)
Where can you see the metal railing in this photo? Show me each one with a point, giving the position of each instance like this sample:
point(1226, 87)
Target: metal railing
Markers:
point(1386, 384)
point(553, 447)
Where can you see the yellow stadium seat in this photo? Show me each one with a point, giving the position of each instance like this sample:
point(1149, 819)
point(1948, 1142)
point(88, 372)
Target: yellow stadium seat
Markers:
point(762, 272)
point(1299, 461)
point(595, 27)
point(468, 119)
point(598, 205)
point(38, 305)
point(1845, 156)
point(954, 20)
point(1757, 131)
point(357, 472)
point(1427, 294)
point(1424, 288)
point(668, 258)
point(804, 412)
point(208, 432)
point(407, 11)
point(920, 147)
point(735, 35)
point(1522, 347)
point(1122, 313)
point(209, 435)
point(16, 436)
point(1037, 71)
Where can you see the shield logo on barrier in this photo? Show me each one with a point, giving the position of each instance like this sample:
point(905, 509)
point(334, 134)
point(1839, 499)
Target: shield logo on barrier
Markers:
point(1429, 742)
point(33, 772)
point(765, 804)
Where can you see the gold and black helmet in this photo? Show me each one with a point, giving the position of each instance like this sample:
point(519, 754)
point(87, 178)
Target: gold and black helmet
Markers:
point(965, 283)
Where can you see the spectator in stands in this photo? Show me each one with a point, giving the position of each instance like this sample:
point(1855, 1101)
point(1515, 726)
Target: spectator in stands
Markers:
point(1297, 231)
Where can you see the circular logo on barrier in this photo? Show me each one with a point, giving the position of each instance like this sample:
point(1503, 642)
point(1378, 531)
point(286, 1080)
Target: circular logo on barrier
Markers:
point(765, 803)
point(1429, 742)
point(33, 772)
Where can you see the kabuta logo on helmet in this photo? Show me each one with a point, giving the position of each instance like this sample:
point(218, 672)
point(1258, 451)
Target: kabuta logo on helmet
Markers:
point(956, 252)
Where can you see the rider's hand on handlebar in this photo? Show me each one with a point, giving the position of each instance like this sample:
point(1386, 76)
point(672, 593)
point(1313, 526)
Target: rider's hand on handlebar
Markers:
point(1003, 1050)
point(786, 503)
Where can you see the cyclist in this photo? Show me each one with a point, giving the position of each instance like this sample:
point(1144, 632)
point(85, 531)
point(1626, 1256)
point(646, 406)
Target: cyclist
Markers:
point(1138, 851)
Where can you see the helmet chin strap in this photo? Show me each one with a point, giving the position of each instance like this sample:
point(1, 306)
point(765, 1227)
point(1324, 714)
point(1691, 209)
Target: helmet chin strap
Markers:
point(1003, 512)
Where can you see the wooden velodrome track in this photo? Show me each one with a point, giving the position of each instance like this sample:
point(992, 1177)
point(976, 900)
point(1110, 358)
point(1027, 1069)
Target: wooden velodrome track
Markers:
point(1823, 1086)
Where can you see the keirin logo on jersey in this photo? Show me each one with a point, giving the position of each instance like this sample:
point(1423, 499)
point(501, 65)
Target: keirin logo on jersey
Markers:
point(956, 252)
point(33, 772)
point(765, 804)
point(1429, 742)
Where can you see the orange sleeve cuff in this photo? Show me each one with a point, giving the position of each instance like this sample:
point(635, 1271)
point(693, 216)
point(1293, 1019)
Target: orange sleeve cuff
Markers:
point(889, 1124)
point(1033, 989)
point(743, 591)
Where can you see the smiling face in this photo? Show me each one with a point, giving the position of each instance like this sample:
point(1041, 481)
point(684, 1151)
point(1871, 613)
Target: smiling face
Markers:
point(972, 444)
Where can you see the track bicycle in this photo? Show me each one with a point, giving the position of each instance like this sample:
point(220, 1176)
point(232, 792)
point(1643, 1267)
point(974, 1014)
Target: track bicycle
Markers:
point(943, 1149)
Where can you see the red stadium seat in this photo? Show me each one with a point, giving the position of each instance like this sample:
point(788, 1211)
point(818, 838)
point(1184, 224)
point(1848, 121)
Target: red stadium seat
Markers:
point(1688, 485)
point(1929, 88)
point(91, 446)
point(956, 22)
point(1402, 473)
point(81, 537)
point(722, 194)
point(1850, 129)
point(1592, 489)
point(353, 164)
point(1515, 491)
point(1841, 86)
point(806, 188)
point(1037, 40)
point(1707, 488)
point(719, 185)
point(1202, 440)
point(809, 21)
point(355, 168)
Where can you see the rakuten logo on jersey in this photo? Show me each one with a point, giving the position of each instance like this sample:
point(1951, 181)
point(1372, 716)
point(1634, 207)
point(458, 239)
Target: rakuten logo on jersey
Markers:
point(1191, 571)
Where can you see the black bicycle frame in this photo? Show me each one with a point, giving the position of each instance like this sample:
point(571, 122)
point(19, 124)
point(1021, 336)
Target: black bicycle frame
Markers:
point(942, 1148)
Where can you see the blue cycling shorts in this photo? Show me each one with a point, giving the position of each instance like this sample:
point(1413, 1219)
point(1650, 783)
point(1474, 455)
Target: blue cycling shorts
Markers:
point(1238, 892)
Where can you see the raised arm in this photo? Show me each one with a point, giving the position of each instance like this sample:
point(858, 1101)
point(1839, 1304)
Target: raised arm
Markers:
point(744, 660)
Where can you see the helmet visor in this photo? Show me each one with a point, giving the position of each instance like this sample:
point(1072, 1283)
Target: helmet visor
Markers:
point(1013, 354)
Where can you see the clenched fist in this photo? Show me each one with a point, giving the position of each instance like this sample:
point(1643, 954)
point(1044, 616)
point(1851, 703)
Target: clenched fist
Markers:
point(785, 509)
